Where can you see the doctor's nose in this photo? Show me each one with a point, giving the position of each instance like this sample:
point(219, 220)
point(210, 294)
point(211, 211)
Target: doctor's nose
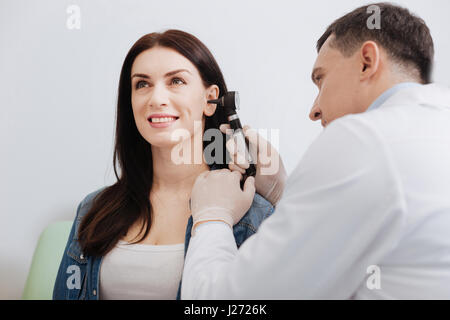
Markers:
point(315, 113)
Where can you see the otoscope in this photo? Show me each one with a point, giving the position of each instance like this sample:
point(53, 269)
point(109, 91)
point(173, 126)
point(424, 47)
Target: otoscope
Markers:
point(230, 102)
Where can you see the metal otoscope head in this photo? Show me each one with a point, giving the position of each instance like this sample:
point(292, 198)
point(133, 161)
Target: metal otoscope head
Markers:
point(229, 100)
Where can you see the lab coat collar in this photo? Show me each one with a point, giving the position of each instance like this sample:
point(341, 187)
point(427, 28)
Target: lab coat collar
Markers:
point(390, 92)
point(429, 95)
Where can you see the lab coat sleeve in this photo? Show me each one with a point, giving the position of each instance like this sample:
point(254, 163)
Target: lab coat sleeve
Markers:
point(342, 211)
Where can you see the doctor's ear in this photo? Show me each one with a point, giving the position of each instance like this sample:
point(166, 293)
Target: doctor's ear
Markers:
point(212, 93)
point(369, 55)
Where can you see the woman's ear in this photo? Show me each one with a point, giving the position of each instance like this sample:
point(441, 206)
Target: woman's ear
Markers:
point(212, 93)
point(369, 59)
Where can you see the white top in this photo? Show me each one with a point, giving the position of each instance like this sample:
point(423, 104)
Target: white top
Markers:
point(365, 215)
point(141, 271)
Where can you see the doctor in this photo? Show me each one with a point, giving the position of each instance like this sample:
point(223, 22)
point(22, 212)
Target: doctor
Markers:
point(366, 213)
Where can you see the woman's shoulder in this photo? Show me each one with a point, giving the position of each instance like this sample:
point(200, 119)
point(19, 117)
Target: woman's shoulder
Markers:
point(260, 207)
point(260, 201)
point(260, 210)
point(83, 207)
point(73, 249)
point(86, 203)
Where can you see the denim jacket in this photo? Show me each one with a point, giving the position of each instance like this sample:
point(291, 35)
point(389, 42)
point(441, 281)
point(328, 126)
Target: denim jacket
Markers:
point(78, 275)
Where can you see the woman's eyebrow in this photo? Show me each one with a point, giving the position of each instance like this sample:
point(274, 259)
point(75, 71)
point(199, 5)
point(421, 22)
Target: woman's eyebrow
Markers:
point(168, 74)
point(171, 73)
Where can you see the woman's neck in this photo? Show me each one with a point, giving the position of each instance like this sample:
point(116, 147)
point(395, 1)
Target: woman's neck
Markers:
point(171, 177)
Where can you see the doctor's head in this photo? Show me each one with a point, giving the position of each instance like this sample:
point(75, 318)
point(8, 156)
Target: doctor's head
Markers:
point(364, 53)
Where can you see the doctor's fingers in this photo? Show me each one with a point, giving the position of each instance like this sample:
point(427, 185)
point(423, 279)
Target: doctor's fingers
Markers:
point(237, 157)
point(236, 177)
point(258, 146)
point(224, 176)
point(235, 167)
point(212, 174)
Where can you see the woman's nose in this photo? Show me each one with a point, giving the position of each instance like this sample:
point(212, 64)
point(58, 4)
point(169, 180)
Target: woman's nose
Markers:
point(159, 97)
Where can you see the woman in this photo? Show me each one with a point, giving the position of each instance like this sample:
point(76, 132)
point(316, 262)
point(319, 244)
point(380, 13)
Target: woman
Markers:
point(129, 239)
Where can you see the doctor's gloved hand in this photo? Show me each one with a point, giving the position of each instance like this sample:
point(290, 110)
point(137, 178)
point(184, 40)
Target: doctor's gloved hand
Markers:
point(271, 175)
point(217, 196)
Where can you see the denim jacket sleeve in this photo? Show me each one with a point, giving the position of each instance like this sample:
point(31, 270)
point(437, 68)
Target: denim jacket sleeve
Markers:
point(71, 277)
point(61, 290)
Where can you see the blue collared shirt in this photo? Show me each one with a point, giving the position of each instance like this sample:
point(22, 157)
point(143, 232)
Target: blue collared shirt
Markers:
point(390, 92)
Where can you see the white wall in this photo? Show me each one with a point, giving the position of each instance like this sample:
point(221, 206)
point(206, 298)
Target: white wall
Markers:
point(58, 89)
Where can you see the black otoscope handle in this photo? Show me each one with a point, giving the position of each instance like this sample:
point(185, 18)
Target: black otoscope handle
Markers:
point(250, 171)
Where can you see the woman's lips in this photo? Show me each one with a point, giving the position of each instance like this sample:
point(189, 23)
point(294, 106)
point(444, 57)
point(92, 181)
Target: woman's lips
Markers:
point(161, 124)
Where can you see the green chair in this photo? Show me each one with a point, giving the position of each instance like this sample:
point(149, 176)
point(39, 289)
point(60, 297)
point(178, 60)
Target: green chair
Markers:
point(46, 259)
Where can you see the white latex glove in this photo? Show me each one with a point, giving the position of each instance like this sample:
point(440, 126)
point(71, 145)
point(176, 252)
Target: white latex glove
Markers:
point(217, 196)
point(271, 175)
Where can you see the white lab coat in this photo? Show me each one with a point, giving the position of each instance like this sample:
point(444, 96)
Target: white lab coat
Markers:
point(372, 193)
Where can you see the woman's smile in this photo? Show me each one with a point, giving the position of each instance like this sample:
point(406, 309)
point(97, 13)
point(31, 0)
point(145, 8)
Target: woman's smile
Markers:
point(164, 123)
point(162, 120)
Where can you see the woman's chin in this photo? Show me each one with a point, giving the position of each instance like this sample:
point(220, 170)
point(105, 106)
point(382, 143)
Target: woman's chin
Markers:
point(165, 141)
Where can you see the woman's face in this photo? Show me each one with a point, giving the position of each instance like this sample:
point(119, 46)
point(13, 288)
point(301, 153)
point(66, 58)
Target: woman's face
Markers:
point(167, 86)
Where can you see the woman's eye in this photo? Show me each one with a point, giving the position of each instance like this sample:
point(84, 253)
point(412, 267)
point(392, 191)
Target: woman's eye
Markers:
point(138, 84)
point(318, 78)
point(177, 81)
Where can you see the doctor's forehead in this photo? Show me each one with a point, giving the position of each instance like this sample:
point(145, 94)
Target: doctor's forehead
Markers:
point(328, 54)
point(159, 61)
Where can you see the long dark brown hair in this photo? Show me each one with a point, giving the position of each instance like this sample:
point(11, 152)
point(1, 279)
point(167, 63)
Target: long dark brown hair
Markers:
point(117, 207)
